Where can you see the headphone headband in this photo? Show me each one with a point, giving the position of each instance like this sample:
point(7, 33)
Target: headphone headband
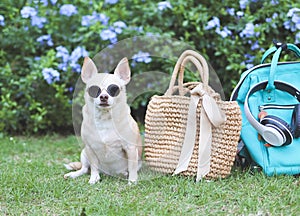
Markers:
point(270, 134)
point(278, 85)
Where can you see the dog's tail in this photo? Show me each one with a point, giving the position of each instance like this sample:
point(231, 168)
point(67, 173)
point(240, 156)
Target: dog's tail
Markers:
point(73, 166)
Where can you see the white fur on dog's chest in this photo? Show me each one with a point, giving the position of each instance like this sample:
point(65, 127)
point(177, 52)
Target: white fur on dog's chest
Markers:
point(103, 127)
point(110, 143)
point(108, 129)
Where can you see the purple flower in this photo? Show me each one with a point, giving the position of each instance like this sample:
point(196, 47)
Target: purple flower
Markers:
point(89, 20)
point(292, 11)
point(108, 34)
point(38, 21)
point(249, 65)
point(119, 26)
point(243, 4)
point(30, 12)
point(50, 75)
point(27, 12)
point(287, 25)
point(2, 23)
point(63, 53)
point(255, 45)
point(214, 22)
point(296, 19)
point(77, 53)
point(112, 31)
point(268, 20)
point(71, 89)
point(142, 57)
point(164, 5)
point(249, 60)
point(111, 1)
point(224, 33)
point(274, 2)
point(102, 18)
point(230, 11)
point(62, 66)
point(68, 10)
point(70, 60)
point(138, 29)
point(45, 39)
point(294, 23)
point(240, 13)
point(75, 67)
point(45, 2)
point(249, 31)
point(53, 2)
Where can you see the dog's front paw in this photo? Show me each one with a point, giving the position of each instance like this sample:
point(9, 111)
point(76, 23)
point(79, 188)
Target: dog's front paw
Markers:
point(94, 179)
point(132, 182)
point(70, 175)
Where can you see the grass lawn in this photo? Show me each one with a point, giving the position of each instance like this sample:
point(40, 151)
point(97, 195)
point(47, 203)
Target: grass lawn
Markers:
point(32, 183)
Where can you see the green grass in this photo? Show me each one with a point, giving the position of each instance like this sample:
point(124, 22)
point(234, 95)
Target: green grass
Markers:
point(32, 183)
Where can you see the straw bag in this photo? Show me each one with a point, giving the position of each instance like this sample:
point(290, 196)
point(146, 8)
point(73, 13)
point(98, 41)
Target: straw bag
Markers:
point(192, 132)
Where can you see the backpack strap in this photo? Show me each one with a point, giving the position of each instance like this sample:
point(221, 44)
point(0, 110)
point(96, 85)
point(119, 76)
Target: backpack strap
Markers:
point(283, 46)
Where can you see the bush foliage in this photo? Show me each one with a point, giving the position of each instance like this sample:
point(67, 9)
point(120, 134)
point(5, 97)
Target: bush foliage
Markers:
point(43, 43)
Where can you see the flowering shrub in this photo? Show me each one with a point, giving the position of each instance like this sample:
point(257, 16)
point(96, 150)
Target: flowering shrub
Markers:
point(43, 43)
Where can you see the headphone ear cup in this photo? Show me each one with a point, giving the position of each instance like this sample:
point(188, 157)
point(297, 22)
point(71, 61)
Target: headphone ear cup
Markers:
point(280, 125)
point(295, 124)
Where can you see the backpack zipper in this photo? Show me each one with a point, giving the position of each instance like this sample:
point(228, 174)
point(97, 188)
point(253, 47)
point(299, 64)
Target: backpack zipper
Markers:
point(275, 106)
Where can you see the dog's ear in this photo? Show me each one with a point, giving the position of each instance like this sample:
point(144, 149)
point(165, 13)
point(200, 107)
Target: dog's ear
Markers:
point(123, 70)
point(88, 70)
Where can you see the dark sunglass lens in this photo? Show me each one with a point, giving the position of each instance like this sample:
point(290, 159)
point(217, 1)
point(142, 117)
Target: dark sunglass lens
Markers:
point(113, 90)
point(94, 91)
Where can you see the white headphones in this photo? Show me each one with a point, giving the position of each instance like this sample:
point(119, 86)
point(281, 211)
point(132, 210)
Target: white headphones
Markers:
point(273, 129)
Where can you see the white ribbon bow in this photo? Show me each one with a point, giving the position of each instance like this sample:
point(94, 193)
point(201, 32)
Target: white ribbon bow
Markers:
point(210, 115)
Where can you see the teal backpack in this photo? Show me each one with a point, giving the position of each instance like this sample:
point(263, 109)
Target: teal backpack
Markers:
point(269, 98)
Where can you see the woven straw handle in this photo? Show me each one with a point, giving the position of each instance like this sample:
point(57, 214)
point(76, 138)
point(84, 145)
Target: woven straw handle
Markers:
point(201, 65)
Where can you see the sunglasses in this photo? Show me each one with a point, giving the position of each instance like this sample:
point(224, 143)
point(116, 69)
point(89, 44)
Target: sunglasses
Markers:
point(113, 90)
